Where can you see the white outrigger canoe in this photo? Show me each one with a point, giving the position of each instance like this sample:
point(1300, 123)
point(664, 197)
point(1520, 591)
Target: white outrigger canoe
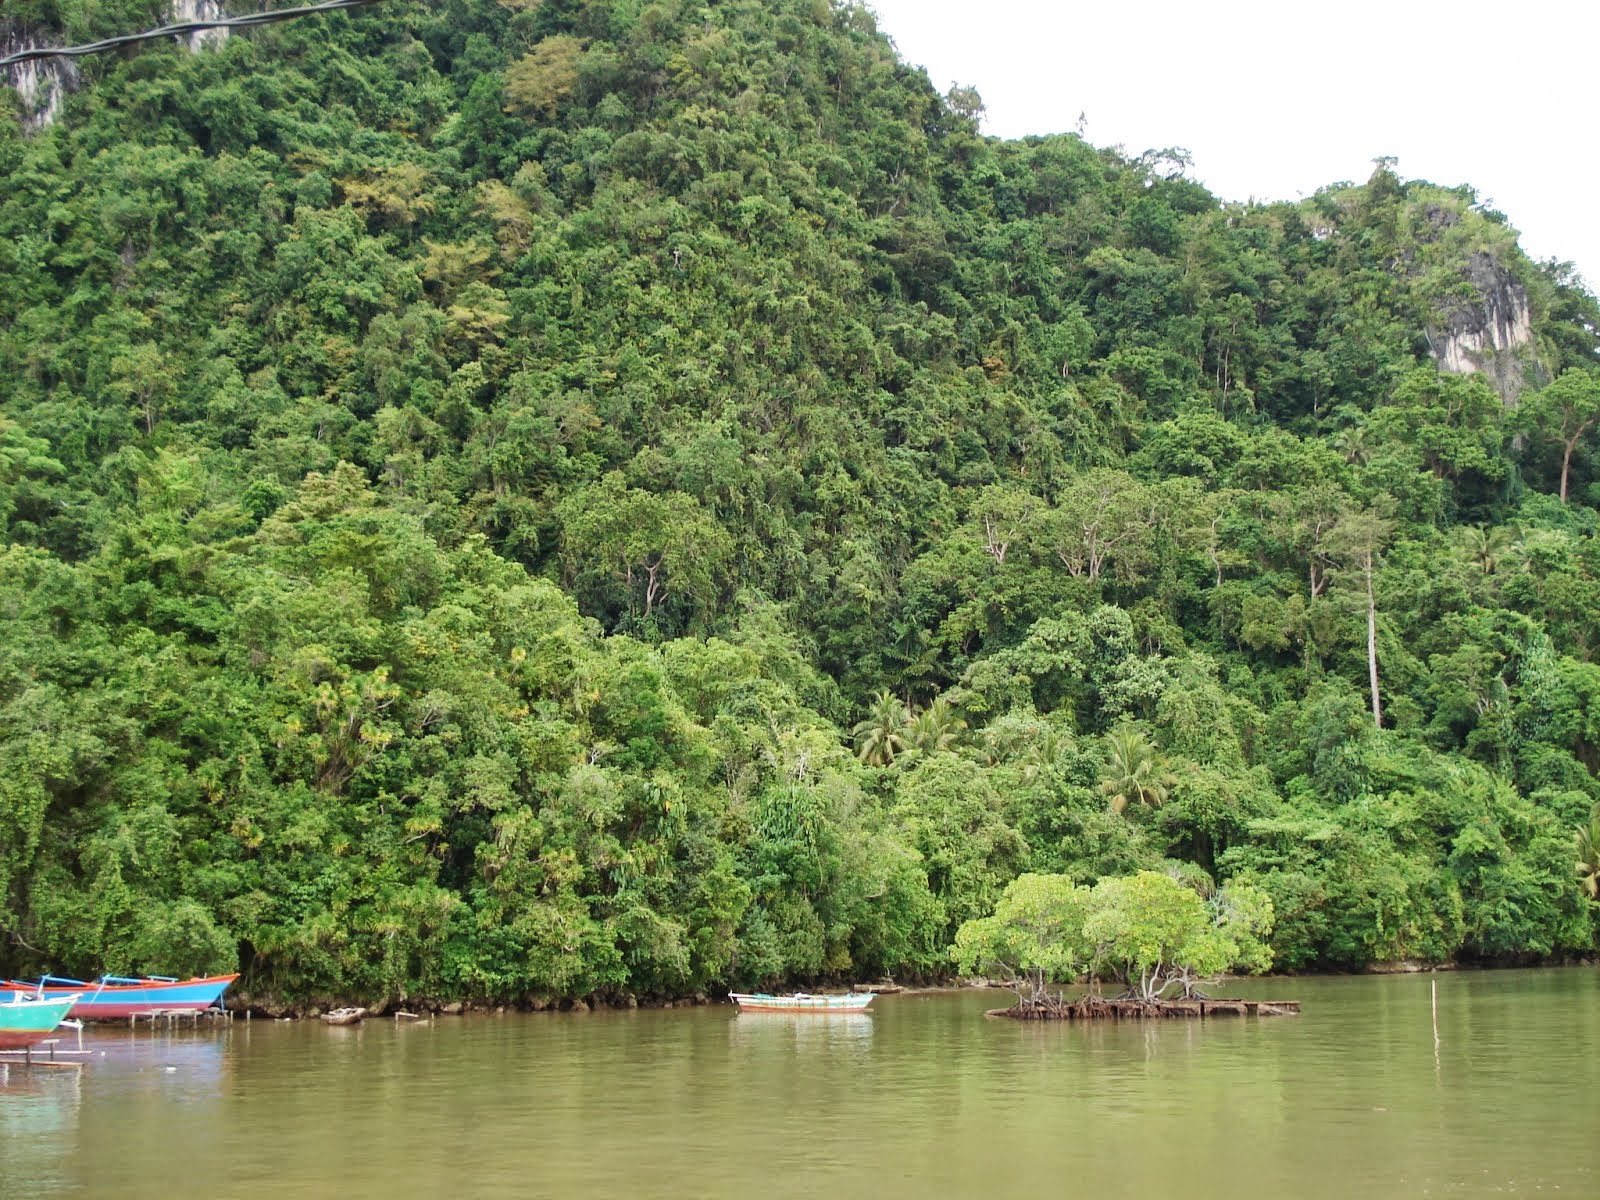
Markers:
point(801, 1002)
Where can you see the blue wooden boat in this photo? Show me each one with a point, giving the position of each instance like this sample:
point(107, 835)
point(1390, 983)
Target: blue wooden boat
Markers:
point(113, 997)
point(804, 1002)
point(24, 1023)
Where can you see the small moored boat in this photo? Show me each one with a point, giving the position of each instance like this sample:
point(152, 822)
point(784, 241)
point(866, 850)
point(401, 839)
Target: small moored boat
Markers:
point(24, 1023)
point(344, 1016)
point(116, 996)
point(806, 1002)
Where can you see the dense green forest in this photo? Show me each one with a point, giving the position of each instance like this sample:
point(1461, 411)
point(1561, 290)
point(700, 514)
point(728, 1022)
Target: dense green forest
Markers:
point(509, 499)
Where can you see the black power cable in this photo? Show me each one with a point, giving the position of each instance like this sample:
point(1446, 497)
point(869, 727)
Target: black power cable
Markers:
point(34, 53)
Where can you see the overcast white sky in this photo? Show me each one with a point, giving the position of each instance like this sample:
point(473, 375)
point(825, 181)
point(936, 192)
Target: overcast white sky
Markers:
point(1275, 98)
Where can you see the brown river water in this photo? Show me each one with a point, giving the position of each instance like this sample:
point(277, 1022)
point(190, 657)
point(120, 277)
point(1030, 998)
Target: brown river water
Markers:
point(922, 1097)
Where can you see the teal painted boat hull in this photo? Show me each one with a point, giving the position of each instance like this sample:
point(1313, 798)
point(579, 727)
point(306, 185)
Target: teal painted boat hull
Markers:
point(26, 1022)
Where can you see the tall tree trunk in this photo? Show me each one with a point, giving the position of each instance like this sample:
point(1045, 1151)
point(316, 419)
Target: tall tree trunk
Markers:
point(1566, 461)
point(1372, 648)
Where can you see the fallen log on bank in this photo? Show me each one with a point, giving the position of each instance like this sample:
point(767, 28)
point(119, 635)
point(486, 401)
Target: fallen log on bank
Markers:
point(1088, 1008)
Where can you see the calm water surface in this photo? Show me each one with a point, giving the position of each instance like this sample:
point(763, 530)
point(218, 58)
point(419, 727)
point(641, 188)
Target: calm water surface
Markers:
point(921, 1098)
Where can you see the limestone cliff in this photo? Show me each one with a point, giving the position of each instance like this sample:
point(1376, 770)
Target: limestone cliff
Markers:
point(200, 10)
point(41, 85)
point(1487, 327)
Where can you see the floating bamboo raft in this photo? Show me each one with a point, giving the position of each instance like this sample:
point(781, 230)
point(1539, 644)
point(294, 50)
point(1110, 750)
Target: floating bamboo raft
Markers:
point(1096, 1007)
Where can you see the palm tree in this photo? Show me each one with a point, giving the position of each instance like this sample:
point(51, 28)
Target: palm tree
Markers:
point(1134, 772)
point(1042, 753)
point(1483, 547)
point(933, 729)
point(1351, 441)
point(1588, 839)
point(882, 734)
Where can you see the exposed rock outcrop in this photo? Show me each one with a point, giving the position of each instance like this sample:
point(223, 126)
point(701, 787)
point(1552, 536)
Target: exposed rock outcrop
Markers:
point(42, 84)
point(200, 10)
point(1489, 330)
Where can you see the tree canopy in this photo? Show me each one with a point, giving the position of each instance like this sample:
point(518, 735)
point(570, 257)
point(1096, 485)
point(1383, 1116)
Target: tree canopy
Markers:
point(515, 501)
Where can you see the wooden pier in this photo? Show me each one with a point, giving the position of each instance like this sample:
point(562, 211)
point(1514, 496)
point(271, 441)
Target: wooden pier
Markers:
point(47, 1053)
point(1097, 1008)
point(177, 1016)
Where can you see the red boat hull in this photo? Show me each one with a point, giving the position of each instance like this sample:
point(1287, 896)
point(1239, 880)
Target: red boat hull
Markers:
point(11, 1039)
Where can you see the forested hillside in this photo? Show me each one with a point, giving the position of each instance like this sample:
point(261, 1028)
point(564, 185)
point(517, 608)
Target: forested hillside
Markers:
point(509, 499)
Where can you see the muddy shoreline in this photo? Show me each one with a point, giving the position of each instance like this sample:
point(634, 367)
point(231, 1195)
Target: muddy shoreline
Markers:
point(244, 1003)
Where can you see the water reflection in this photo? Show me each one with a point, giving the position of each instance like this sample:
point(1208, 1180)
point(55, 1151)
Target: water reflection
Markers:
point(38, 1098)
point(39, 1107)
point(920, 1097)
point(191, 1064)
point(802, 1031)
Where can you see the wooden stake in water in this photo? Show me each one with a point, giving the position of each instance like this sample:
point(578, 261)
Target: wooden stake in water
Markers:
point(1433, 985)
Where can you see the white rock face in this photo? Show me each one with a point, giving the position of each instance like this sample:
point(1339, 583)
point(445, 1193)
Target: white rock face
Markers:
point(1487, 332)
point(43, 83)
point(200, 10)
point(1468, 349)
point(40, 84)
